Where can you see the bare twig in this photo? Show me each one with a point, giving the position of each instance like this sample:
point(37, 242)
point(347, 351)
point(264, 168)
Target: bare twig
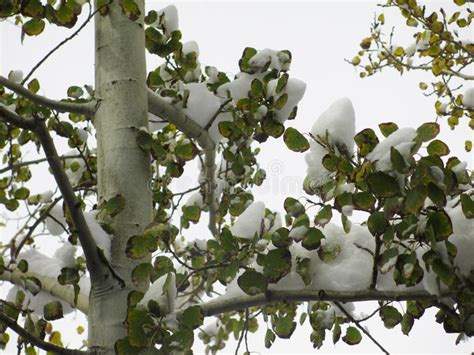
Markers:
point(35, 161)
point(40, 343)
point(361, 327)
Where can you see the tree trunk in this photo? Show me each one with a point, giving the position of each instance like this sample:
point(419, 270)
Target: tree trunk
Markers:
point(123, 168)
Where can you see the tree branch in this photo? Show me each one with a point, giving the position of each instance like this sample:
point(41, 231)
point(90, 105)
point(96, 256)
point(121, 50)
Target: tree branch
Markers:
point(98, 270)
point(357, 323)
point(159, 107)
point(48, 284)
point(12, 118)
point(223, 305)
point(87, 108)
point(35, 161)
point(210, 188)
point(40, 343)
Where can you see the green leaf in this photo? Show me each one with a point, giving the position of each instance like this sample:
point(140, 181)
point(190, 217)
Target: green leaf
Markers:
point(293, 207)
point(281, 83)
point(34, 86)
point(312, 239)
point(248, 53)
point(269, 338)
point(278, 261)
point(441, 224)
point(329, 252)
point(383, 185)
point(407, 323)
point(33, 27)
point(192, 213)
point(281, 239)
point(22, 193)
point(363, 201)
point(102, 6)
point(331, 162)
point(32, 8)
point(284, 327)
point(388, 128)
point(252, 282)
point(427, 131)
point(336, 332)
point(467, 205)
point(137, 321)
point(438, 148)
point(324, 216)
point(272, 127)
point(144, 140)
point(366, 141)
point(444, 272)
point(185, 152)
point(390, 316)
point(257, 88)
point(303, 269)
point(141, 273)
point(68, 276)
point(398, 162)
point(75, 92)
point(377, 223)
point(281, 101)
point(130, 9)
point(115, 205)
point(23, 266)
point(437, 195)
point(53, 310)
point(140, 246)
point(295, 141)
point(193, 317)
point(352, 336)
point(415, 199)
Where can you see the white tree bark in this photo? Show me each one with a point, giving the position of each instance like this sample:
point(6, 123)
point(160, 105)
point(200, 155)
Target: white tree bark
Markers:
point(123, 168)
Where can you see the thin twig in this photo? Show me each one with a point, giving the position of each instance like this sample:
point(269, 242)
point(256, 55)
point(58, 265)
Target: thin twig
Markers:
point(347, 314)
point(44, 345)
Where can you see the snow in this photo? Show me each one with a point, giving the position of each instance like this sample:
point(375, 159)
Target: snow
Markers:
point(214, 133)
point(202, 104)
point(298, 233)
point(195, 199)
point(189, 47)
point(101, 238)
point(463, 239)
point(170, 20)
point(272, 222)
point(162, 291)
point(278, 60)
point(15, 76)
point(410, 50)
point(52, 226)
point(352, 268)
point(250, 221)
point(338, 121)
point(46, 196)
point(468, 98)
point(66, 255)
point(240, 86)
point(401, 139)
point(295, 90)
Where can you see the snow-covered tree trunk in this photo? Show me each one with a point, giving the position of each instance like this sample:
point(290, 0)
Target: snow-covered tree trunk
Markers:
point(123, 168)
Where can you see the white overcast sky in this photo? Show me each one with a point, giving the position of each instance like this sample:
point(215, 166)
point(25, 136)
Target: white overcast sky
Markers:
point(319, 35)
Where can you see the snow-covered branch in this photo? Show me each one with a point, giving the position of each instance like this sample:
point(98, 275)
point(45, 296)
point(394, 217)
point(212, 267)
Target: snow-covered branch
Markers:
point(11, 117)
point(48, 284)
point(87, 108)
point(40, 343)
point(224, 304)
point(159, 107)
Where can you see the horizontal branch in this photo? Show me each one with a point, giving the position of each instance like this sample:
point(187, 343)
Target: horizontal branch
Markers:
point(12, 118)
point(32, 339)
point(35, 161)
point(159, 107)
point(49, 285)
point(223, 305)
point(87, 108)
